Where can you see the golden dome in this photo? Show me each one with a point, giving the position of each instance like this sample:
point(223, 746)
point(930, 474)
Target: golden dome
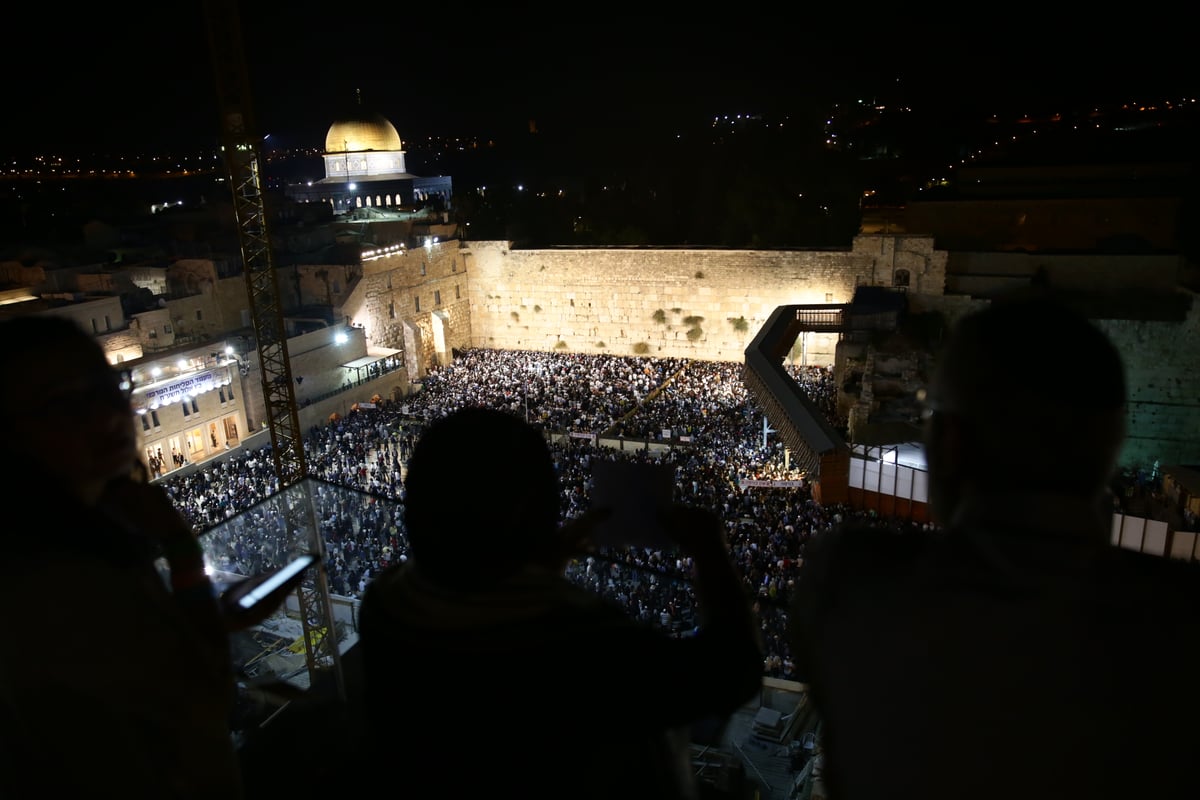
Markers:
point(361, 130)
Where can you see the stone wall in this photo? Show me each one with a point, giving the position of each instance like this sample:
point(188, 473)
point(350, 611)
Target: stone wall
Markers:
point(708, 305)
point(415, 300)
point(1162, 363)
point(121, 346)
point(702, 304)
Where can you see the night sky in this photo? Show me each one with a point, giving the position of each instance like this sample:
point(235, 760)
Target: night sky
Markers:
point(136, 77)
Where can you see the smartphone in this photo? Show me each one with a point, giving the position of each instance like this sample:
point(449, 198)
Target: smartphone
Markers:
point(279, 578)
point(636, 492)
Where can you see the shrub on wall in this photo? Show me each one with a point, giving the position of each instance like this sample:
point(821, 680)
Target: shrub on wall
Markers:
point(659, 316)
point(537, 308)
point(515, 316)
point(641, 348)
point(739, 324)
point(560, 345)
point(601, 344)
point(699, 273)
point(693, 322)
point(694, 333)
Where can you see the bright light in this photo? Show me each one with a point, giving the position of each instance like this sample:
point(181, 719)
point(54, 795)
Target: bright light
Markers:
point(341, 337)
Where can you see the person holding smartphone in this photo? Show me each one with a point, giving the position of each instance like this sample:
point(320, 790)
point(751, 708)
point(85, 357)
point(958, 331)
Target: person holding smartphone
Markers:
point(481, 626)
point(114, 682)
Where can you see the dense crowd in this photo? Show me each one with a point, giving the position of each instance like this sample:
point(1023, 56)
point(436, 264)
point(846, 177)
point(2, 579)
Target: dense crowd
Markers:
point(698, 414)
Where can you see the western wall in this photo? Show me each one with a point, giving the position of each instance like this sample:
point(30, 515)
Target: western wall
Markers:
point(684, 303)
point(709, 304)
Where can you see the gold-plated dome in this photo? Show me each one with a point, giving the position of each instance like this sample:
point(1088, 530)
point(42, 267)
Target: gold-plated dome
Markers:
point(363, 130)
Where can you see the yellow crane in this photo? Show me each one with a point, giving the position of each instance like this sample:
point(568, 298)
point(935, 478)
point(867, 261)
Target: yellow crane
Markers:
point(241, 148)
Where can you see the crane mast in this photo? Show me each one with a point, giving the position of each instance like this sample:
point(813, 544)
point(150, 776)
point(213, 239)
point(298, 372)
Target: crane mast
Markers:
point(241, 149)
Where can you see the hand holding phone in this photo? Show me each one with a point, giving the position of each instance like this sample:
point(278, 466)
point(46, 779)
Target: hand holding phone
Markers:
point(253, 600)
point(286, 576)
point(636, 493)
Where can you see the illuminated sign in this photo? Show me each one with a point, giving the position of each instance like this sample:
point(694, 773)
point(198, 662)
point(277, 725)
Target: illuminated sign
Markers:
point(171, 392)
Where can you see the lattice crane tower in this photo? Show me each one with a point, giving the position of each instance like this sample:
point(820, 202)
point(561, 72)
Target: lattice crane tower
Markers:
point(241, 148)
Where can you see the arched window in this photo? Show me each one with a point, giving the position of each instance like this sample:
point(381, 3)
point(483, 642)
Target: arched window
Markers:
point(901, 278)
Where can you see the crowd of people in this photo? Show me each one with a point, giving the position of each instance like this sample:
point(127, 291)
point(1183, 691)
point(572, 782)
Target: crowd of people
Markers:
point(468, 538)
point(700, 408)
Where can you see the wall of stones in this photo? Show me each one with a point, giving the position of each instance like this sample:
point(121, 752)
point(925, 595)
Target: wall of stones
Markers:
point(122, 345)
point(1162, 365)
point(692, 304)
point(319, 284)
point(414, 300)
point(702, 304)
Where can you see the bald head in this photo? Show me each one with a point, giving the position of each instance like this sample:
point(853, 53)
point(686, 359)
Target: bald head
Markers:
point(1026, 394)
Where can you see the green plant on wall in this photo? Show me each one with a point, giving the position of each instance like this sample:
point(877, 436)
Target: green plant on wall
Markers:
point(537, 309)
point(601, 344)
point(560, 345)
point(676, 310)
point(740, 325)
point(659, 316)
point(699, 273)
point(695, 333)
point(641, 348)
point(515, 316)
point(693, 322)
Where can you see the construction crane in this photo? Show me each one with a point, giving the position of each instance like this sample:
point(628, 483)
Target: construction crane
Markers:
point(241, 148)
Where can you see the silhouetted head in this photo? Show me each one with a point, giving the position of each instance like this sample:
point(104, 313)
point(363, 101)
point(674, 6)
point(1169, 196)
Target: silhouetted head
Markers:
point(1026, 395)
point(67, 414)
point(481, 497)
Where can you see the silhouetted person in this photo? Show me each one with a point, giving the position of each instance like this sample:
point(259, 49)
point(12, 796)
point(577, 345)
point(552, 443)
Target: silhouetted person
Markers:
point(115, 681)
point(488, 673)
point(1015, 652)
